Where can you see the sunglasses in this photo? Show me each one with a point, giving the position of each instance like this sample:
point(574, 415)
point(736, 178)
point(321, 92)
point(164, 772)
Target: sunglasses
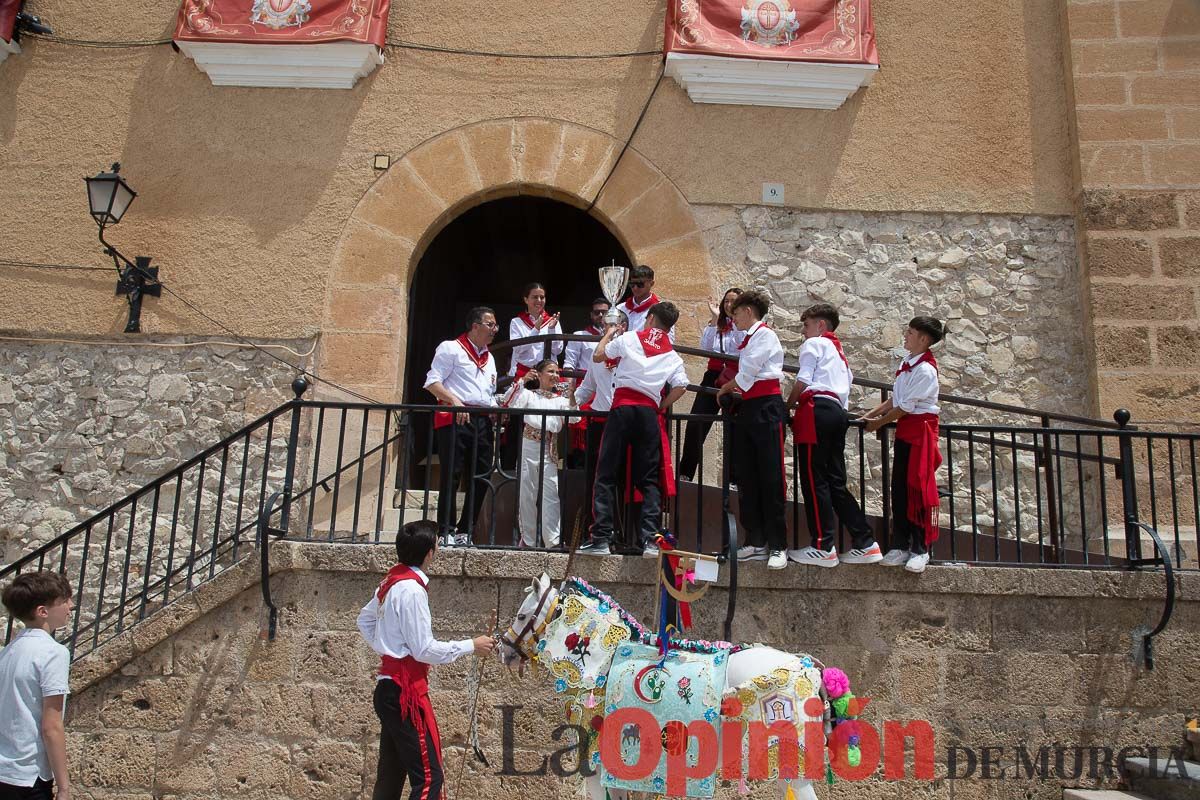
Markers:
point(599, 311)
point(638, 284)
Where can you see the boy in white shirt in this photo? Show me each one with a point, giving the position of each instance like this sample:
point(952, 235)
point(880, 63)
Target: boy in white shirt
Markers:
point(913, 406)
point(648, 362)
point(821, 397)
point(34, 684)
point(758, 433)
point(396, 623)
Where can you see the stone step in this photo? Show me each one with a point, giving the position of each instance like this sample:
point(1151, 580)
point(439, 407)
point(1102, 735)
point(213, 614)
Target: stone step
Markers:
point(1163, 778)
point(1101, 794)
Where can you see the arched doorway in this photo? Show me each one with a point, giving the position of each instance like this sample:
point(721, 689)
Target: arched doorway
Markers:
point(487, 255)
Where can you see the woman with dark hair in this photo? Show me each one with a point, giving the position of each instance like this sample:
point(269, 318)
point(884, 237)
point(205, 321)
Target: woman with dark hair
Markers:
point(533, 321)
point(720, 336)
point(396, 623)
point(913, 406)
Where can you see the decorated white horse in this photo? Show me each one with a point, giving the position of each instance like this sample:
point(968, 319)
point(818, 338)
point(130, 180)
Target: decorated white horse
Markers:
point(604, 662)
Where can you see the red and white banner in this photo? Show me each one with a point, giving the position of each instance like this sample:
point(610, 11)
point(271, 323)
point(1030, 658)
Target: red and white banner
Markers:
point(786, 30)
point(8, 18)
point(283, 21)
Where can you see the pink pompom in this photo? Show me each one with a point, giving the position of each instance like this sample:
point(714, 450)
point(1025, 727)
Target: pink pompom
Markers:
point(836, 682)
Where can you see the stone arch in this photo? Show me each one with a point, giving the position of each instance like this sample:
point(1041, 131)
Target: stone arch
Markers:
point(364, 327)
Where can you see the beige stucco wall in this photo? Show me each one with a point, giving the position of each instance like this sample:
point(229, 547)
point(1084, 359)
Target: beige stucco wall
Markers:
point(244, 192)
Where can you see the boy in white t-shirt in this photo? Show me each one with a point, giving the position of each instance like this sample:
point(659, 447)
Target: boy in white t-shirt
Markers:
point(34, 684)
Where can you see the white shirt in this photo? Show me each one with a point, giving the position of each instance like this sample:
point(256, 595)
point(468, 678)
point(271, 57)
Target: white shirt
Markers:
point(598, 386)
point(455, 370)
point(579, 354)
point(762, 357)
point(916, 391)
point(401, 626)
point(533, 399)
point(822, 369)
point(727, 342)
point(642, 373)
point(32, 666)
point(637, 319)
point(531, 354)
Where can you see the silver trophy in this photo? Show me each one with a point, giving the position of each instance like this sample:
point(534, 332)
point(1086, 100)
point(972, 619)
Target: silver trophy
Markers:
point(613, 280)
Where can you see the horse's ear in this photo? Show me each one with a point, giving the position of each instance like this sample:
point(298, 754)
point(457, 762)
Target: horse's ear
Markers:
point(545, 579)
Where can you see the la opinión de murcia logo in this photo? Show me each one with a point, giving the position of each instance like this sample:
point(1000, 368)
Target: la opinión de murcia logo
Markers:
point(853, 751)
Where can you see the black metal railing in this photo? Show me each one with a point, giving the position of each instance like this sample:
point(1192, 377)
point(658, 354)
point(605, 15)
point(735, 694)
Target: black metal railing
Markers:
point(1035, 488)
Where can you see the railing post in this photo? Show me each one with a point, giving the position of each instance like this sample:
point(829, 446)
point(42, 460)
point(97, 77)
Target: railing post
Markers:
point(1126, 472)
point(299, 387)
point(1051, 496)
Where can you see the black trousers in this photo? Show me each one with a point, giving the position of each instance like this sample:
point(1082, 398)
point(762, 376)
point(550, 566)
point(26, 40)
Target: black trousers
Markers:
point(41, 790)
point(822, 473)
point(595, 432)
point(906, 534)
point(459, 446)
point(758, 436)
point(697, 430)
point(628, 427)
point(401, 756)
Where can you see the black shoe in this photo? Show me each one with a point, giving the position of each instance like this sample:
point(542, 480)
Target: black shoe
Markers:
point(596, 547)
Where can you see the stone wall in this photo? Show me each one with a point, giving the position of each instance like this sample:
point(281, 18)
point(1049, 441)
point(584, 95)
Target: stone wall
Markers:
point(192, 703)
point(82, 425)
point(1137, 115)
point(1007, 286)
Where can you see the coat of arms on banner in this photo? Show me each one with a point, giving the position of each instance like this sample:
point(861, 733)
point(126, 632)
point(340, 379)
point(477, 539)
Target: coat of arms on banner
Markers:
point(769, 22)
point(279, 14)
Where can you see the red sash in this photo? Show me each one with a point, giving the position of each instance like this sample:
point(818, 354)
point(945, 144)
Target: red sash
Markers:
point(410, 675)
point(631, 308)
point(579, 429)
point(718, 364)
point(443, 418)
point(763, 388)
point(921, 432)
point(804, 424)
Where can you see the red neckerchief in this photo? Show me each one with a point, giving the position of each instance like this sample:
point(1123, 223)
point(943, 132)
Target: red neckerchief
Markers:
point(592, 330)
point(400, 572)
point(480, 360)
point(837, 343)
point(926, 358)
point(746, 341)
point(642, 306)
point(528, 320)
point(655, 342)
point(611, 363)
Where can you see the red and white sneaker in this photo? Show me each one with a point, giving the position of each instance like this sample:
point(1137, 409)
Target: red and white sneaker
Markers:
point(813, 557)
point(864, 555)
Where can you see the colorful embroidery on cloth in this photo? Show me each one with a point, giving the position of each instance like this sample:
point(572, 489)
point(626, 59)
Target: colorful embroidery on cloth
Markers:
point(678, 688)
point(776, 696)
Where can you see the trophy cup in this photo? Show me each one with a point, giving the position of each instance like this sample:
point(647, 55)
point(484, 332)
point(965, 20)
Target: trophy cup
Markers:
point(613, 280)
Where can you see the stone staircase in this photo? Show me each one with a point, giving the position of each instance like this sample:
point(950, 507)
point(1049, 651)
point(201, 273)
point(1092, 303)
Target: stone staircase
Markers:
point(1169, 776)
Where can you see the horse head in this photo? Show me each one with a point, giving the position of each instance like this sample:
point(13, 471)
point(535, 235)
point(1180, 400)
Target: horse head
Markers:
point(518, 642)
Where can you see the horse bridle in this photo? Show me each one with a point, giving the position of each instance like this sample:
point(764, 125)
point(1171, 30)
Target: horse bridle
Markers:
point(514, 641)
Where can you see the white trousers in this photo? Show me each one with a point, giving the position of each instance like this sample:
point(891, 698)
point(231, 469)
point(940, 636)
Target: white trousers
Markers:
point(531, 473)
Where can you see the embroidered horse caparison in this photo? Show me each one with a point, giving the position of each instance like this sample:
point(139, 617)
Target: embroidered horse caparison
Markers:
point(601, 658)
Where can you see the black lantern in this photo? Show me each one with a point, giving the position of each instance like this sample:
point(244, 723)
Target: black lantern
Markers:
point(109, 196)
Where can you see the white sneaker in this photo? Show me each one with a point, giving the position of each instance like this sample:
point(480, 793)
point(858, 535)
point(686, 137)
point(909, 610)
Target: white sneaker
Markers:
point(752, 553)
point(866, 555)
point(813, 557)
point(461, 540)
point(650, 551)
point(896, 558)
point(917, 563)
point(778, 560)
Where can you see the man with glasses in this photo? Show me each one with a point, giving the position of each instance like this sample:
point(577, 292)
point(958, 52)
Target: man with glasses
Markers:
point(463, 373)
point(642, 299)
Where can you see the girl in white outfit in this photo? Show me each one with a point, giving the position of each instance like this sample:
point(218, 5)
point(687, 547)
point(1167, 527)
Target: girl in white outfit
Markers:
point(536, 428)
